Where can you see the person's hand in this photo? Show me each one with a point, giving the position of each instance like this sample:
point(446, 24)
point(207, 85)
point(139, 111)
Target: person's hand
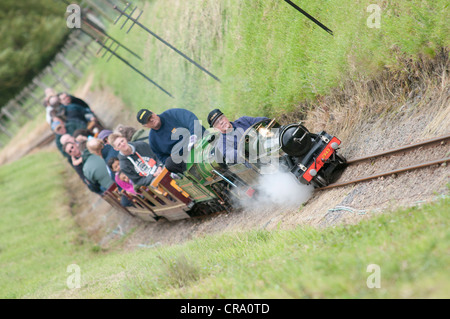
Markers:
point(76, 161)
point(192, 141)
point(174, 176)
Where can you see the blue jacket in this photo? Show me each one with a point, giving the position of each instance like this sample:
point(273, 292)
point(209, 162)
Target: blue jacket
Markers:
point(228, 144)
point(75, 111)
point(172, 120)
point(108, 151)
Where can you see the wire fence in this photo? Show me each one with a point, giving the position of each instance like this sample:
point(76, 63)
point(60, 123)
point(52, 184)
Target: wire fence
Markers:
point(70, 63)
point(61, 74)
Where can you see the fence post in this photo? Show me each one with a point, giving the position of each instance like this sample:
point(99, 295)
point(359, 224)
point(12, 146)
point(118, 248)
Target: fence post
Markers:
point(8, 114)
point(61, 80)
point(39, 83)
point(20, 106)
point(33, 96)
point(67, 63)
point(5, 131)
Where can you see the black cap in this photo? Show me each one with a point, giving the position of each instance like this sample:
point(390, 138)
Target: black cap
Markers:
point(213, 116)
point(143, 116)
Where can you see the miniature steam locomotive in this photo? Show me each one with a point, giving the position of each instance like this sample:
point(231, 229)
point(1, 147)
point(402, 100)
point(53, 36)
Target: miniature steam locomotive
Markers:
point(210, 185)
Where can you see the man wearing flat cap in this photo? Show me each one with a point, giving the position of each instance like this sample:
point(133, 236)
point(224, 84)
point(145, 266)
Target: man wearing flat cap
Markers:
point(231, 132)
point(171, 133)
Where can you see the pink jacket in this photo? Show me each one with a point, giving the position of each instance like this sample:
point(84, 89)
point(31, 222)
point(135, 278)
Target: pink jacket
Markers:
point(124, 185)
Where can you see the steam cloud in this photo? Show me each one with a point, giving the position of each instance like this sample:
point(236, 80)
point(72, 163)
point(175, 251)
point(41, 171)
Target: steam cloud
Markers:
point(282, 188)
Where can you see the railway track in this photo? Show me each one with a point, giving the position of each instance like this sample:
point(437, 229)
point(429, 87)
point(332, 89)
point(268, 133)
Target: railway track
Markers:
point(409, 147)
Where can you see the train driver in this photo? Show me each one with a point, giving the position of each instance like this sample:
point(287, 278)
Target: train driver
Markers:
point(231, 132)
point(171, 133)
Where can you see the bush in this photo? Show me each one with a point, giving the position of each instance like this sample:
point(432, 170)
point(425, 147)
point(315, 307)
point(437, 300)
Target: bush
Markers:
point(31, 33)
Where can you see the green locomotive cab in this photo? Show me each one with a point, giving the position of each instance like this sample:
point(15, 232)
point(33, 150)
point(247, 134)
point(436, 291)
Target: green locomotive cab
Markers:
point(206, 166)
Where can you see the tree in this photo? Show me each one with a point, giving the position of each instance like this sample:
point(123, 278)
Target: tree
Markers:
point(31, 33)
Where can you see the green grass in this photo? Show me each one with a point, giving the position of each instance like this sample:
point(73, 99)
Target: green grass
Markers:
point(39, 240)
point(268, 56)
point(38, 235)
point(410, 246)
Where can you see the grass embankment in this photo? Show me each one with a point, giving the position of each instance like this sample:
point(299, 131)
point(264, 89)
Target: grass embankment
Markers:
point(37, 238)
point(38, 241)
point(308, 263)
point(268, 56)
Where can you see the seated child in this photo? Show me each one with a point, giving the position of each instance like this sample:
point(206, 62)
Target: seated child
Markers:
point(114, 168)
point(124, 182)
point(114, 164)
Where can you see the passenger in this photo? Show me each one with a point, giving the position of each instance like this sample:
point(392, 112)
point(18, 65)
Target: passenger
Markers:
point(114, 165)
point(63, 140)
point(137, 160)
point(103, 136)
point(73, 152)
point(66, 138)
point(97, 147)
point(53, 110)
point(124, 182)
point(61, 128)
point(48, 93)
point(66, 99)
point(72, 111)
point(114, 168)
point(81, 135)
point(232, 132)
point(95, 171)
point(165, 125)
point(132, 134)
point(48, 112)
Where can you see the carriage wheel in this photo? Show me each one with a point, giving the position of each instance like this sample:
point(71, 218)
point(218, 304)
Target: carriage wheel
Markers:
point(320, 181)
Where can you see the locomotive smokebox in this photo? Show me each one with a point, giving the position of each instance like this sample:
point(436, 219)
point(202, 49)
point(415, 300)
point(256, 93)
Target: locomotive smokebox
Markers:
point(295, 140)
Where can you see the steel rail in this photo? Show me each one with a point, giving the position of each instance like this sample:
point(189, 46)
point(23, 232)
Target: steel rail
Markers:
point(395, 171)
point(396, 150)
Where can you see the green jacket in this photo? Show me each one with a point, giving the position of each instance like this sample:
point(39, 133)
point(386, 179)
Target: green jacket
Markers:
point(140, 135)
point(94, 169)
